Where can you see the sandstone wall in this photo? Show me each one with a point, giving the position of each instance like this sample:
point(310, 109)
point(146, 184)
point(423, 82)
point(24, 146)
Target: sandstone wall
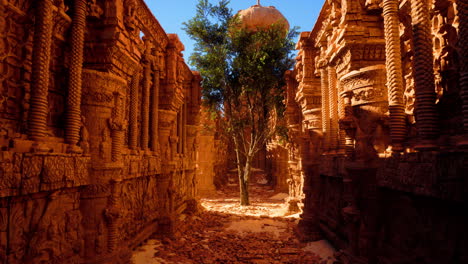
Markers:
point(277, 165)
point(98, 126)
point(376, 104)
point(213, 154)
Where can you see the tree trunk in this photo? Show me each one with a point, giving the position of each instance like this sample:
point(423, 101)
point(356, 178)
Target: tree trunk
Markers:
point(243, 184)
point(244, 190)
point(244, 181)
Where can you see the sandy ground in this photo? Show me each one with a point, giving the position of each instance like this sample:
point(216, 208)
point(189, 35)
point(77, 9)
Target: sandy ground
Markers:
point(225, 232)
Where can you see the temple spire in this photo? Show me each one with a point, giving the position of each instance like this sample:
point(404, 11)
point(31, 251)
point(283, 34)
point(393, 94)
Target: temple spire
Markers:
point(258, 2)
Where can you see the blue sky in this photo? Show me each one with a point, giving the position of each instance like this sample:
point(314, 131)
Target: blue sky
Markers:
point(172, 13)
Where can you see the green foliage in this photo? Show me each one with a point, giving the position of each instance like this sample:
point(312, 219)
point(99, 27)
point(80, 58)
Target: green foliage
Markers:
point(210, 29)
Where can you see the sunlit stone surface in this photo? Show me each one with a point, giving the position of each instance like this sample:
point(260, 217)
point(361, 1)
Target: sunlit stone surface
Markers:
point(259, 16)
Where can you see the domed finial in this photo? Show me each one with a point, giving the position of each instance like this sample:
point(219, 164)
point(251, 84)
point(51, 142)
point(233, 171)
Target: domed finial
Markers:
point(258, 2)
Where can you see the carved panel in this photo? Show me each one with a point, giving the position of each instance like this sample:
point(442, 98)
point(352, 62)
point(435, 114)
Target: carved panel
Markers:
point(367, 85)
point(45, 229)
point(15, 60)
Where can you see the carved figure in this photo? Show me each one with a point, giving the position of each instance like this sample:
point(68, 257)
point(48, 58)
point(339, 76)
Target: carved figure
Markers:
point(103, 145)
point(94, 10)
point(84, 142)
point(130, 15)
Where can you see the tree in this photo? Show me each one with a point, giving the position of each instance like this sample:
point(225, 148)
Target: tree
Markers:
point(242, 78)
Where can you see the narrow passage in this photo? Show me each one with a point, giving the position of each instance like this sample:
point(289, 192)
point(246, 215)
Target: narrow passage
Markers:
point(224, 232)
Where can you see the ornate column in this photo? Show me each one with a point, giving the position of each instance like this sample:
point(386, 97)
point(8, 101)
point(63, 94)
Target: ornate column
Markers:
point(117, 126)
point(166, 121)
point(40, 70)
point(325, 107)
point(333, 108)
point(347, 123)
point(308, 95)
point(112, 215)
point(73, 117)
point(341, 116)
point(145, 103)
point(133, 135)
point(155, 112)
point(394, 74)
point(425, 108)
point(462, 7)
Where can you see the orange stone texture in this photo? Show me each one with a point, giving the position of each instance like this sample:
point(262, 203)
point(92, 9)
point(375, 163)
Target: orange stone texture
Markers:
point(212, 160)
point(99, 119)
point(376, 111)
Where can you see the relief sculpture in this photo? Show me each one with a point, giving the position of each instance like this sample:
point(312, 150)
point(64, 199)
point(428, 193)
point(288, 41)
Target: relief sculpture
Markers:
point(71, 122)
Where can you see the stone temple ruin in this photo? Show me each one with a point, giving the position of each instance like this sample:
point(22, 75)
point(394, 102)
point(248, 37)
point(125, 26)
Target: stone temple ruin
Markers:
point(98, 115)
point(101, 143)
point(377, 113)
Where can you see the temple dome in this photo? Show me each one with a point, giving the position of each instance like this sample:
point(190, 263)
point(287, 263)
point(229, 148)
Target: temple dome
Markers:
point(258, 16)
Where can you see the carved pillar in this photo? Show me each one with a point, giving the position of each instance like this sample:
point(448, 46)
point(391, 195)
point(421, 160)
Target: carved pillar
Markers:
point(73, 118)
point(333, 108)
point(145, 106)
point(462, 7)
point(112, 215)
point(394, 74)
point(117, 125)
point(133, 135)
point(40, 70)
point(341, 116)
point(155, 112)
point(347, 124)
point(425, 108)
point(166, 121)
point(325, 108)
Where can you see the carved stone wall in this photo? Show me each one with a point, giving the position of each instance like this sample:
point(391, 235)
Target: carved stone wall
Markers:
point(398, 171)
point(92, 157)
point(277, 164)
point(212, 157)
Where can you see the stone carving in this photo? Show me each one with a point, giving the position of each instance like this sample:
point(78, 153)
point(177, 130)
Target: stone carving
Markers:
point(377, 102)
point(333, 107)
point(99, 97)
point(134, 111)
point(71, 108)
point(146, 61)
point(394, 74)
point(40, 70)
point(130, 15)
point(373, 4)
point(325, 107)
point(75, 74)
point(117, 125)
point(462, 8)
point(426, 114)
point(94, 10)
point(155, 111)
point(446, 63)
